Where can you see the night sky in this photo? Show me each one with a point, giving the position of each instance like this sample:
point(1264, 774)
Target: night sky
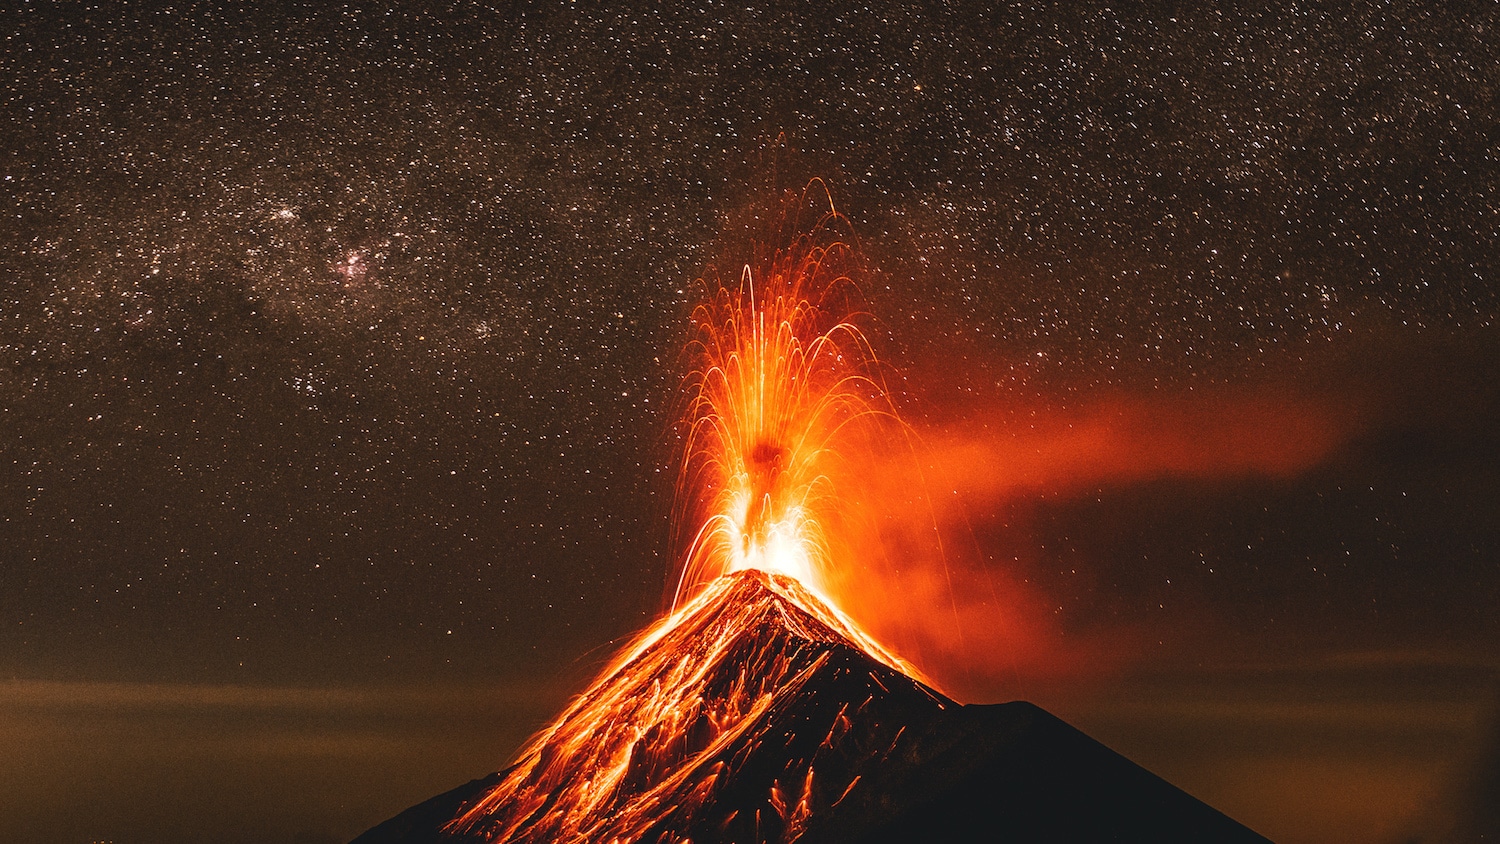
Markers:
point(340, 351)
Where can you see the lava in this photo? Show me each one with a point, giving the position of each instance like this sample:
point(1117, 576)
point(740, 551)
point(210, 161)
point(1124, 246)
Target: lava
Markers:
point(782, 380)
point(784, 395)
point(690, 707)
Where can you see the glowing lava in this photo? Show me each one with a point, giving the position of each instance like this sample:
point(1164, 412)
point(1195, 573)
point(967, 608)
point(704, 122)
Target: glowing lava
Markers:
point(781, 376)
point(688, 736)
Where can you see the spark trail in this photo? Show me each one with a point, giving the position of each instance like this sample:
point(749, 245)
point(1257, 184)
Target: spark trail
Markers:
point(784, 390)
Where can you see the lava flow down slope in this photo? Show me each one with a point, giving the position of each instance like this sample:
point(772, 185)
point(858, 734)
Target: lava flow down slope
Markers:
point(757, 710)
point(750, 716)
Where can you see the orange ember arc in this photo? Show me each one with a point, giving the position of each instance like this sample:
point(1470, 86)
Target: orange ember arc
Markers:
point(782, 377)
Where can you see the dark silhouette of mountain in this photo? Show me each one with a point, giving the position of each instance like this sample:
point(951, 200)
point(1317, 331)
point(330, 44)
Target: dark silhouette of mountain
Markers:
point(757, 714)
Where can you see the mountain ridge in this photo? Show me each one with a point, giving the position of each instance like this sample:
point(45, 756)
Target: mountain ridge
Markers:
point(752, 715)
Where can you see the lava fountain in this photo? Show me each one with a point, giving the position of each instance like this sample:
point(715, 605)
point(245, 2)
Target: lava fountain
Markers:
point(783, 381)
point(781, 378)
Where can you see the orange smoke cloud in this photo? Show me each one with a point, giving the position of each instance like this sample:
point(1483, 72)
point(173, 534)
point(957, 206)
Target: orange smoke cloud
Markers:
point(1130, 439)
point(971, 617)
point(981, 632)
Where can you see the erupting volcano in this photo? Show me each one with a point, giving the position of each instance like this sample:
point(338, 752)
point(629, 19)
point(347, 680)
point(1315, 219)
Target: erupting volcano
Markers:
point(757, 710)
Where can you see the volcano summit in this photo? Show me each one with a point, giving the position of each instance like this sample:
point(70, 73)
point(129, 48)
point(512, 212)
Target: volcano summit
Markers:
point(754, 714)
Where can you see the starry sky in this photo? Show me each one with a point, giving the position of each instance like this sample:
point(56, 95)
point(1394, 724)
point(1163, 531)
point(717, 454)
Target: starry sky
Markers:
point(340, 348)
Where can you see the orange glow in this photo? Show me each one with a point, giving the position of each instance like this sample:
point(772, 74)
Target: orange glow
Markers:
point(1223, 433)
point(976, 619)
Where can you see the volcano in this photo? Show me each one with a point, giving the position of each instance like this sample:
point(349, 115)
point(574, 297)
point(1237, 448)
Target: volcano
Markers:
point(757, 713)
